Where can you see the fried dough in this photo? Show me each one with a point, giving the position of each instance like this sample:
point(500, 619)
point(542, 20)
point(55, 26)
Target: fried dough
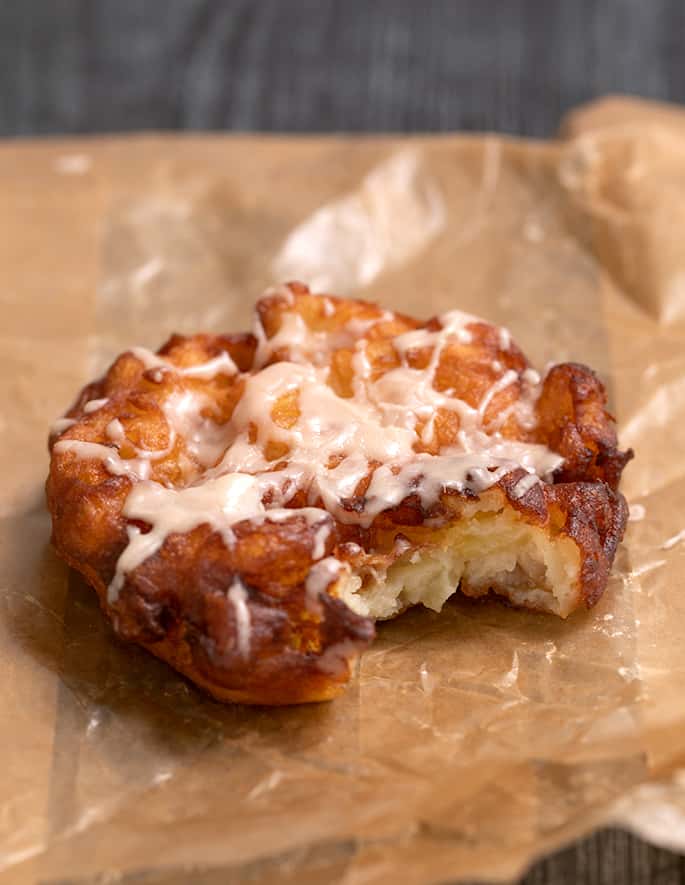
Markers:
point(247, 506)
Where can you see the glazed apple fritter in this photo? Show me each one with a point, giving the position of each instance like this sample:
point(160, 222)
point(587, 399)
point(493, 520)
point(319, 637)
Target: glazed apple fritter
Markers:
point(247, 506)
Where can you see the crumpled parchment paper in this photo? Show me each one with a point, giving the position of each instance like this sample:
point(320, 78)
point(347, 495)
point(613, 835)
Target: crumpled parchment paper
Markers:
point(471, 741)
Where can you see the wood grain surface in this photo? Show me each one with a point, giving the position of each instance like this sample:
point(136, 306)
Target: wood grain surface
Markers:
point(320, 65)
point(84, 66)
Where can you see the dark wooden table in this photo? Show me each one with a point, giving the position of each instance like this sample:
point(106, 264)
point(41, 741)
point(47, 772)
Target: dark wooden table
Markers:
point(77, 66)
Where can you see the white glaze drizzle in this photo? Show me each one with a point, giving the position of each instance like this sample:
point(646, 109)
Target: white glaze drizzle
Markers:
point(509, 378)
point(524, 406)
point(115, 431)
point(204, 438)
point(321, 575)
point(218, 365)
point(94, 404)
point(524, 485)
point(136, 468)
point(304, 345)
point(220, 502)
point(149, 359)
point(238, 596)
point(320, 538)
point(382, 422)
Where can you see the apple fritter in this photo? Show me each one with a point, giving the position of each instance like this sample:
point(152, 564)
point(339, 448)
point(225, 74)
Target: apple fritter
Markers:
point(247, 506)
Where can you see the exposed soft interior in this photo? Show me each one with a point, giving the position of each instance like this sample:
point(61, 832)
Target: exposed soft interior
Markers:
point(491, 551)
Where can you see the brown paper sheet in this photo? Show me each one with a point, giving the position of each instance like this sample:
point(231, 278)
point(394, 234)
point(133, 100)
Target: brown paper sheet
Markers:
point(471, 741)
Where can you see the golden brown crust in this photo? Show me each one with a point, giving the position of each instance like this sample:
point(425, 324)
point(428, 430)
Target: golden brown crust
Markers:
point(573, 421)
point(302, 645)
